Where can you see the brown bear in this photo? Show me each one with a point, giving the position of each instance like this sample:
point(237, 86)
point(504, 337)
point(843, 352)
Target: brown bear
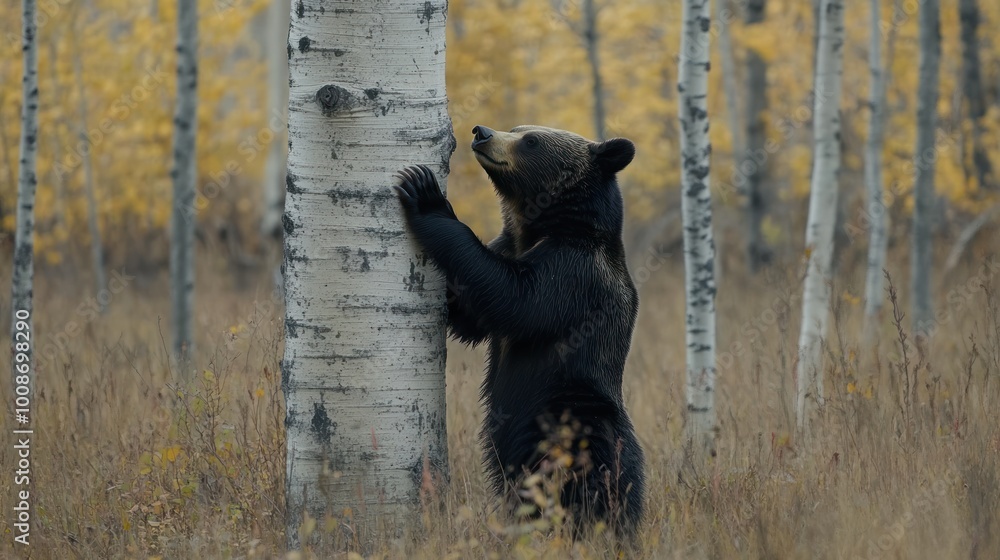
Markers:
point(555, 301)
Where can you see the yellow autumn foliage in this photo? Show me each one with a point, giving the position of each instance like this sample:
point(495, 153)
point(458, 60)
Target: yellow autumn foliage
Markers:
point(509, 62)
point(127, 63)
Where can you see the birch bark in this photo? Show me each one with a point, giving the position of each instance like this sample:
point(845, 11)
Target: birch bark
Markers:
point(696, 206)
point(822, 207)
point(363, 370)
point(277, 99)
point(878, 240)
point(23, 276)
point(183, 174)
point(925, 156)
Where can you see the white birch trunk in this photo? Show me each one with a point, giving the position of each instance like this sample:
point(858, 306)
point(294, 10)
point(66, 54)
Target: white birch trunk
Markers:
point(696, 206)
point(184, 176)
point(822, 207)
point(878, 239)
point(277, 100)
point(925, 156)
point(24, 247)
point(363, 371)
point(96, 246)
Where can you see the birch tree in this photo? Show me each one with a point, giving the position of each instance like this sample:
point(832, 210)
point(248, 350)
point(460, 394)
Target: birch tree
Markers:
point(696, 206)
point(277, 91)
point(878, 240)
point(925, 155)
point(972, 84)
point(183, 174)
point(754, 158)
point(363, 370)
point(96, 246)
point(593, 56)
point(822, 206)
point(23, 276)
point(724, 18)
point(587, 29)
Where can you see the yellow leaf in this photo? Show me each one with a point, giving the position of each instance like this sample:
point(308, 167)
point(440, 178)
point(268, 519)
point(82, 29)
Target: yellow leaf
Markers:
point(171, 453)
point(851, 387)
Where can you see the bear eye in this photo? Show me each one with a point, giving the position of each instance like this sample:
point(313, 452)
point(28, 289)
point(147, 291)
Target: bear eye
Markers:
point(531, 141)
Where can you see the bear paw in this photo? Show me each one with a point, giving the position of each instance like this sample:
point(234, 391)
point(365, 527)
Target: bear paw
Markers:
point(420, 193)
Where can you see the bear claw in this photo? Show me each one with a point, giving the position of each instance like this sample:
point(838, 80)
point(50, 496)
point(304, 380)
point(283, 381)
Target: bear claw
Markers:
point(420, 192)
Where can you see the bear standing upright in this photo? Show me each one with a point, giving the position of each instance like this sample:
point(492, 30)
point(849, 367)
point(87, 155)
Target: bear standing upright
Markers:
point(553, 297)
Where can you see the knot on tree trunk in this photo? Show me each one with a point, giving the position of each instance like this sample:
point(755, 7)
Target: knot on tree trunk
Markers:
point(333, 98)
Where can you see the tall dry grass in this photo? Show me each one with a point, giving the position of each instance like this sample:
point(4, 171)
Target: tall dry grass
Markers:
point(128, 465)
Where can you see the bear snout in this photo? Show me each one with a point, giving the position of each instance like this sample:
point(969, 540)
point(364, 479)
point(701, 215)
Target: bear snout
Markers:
point(481, 135)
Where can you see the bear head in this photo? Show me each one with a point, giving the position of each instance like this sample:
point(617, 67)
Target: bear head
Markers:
point(531, 160)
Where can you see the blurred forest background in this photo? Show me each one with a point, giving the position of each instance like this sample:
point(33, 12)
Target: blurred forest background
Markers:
point(509, 62)
point(125, 475)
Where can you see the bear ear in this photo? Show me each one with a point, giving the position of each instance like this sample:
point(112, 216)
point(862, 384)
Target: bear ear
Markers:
point(611, 156)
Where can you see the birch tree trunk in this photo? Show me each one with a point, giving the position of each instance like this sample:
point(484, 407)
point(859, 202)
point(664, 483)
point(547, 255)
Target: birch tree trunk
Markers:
point(277, 99)
point(878, 240)
point(363, 371)
point(754, 158)
point(724, 18)
point(972, 83)
point(822, 207)
point(590, 37)
point(23, 277)
point(96, 246)
point(184, 175)
point(696, 206)
point(58, 177)
point(925, 156)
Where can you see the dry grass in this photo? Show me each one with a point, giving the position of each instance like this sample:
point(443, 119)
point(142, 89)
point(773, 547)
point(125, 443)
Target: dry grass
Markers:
point(129, 466)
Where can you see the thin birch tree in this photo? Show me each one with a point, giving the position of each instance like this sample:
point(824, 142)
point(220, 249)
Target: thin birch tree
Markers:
point(925, 156)
point(822, 206)
point(96, 245)
point(877, 218)
point(23, 277)
point(277, 91)
point(184, 174)
point(724, 18)
point(972, 84)
point(363, 370)
point(58, 175)
point(590, 37)
point(696, 206)
point(586, 28)
point(753, 160)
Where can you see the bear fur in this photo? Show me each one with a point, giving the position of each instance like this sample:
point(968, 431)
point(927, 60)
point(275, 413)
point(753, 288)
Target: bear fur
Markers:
point(554, 299)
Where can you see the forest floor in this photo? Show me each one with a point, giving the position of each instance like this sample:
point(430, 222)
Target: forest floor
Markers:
point(125, 464)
